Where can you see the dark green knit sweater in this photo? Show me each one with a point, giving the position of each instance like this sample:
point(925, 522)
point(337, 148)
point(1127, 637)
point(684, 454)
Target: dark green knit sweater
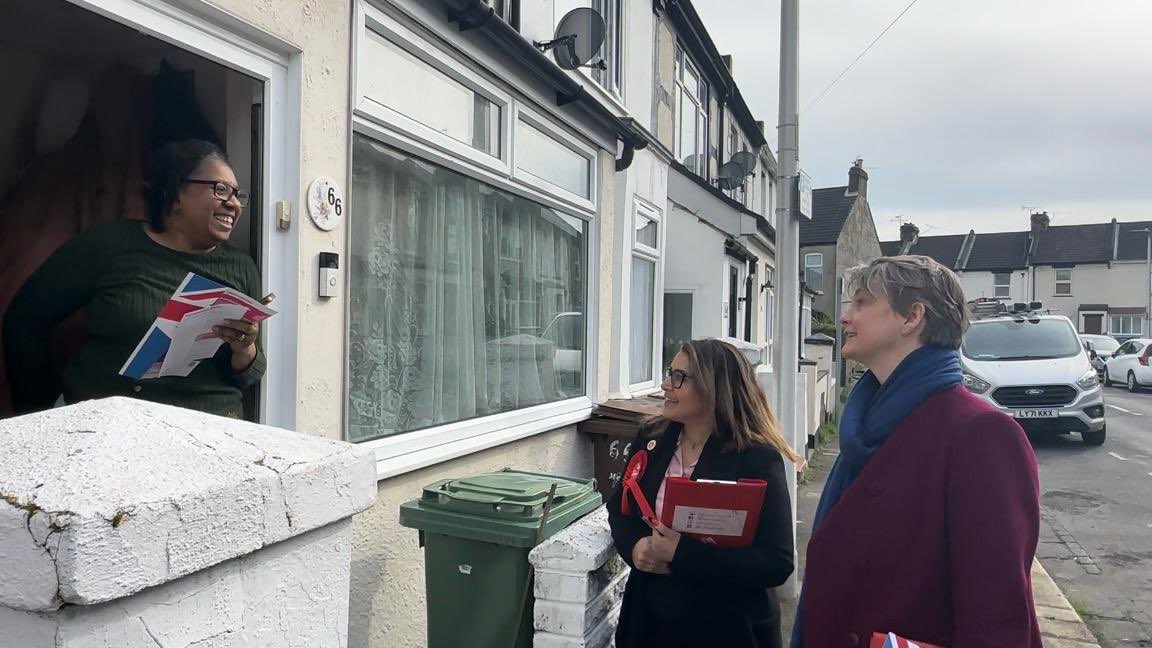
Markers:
point(121, 277)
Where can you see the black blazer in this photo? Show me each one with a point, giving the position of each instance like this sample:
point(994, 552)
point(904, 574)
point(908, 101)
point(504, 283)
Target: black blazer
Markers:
point(715, 596)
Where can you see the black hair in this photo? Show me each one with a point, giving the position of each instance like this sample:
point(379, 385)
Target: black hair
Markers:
point(168, 169)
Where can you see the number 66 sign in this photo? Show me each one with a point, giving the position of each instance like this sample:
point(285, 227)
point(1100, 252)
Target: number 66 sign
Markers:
point(325, 203)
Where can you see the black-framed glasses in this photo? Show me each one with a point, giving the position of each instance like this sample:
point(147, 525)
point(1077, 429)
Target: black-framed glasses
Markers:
point(224, 191)
point(675, 377)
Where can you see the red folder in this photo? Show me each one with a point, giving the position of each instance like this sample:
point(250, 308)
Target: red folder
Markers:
point(720, 513)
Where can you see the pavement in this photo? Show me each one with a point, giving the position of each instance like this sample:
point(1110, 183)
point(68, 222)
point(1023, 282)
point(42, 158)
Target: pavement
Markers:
point(1096, 521)
point(1060, 624)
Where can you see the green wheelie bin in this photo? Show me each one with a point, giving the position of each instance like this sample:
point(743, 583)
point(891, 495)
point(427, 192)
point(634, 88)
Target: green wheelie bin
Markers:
point(476, 533)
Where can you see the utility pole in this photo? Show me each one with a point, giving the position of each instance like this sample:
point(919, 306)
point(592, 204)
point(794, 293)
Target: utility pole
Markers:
point(1147, 283)
point(786, 354)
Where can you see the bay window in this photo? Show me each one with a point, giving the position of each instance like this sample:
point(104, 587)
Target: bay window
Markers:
point(466, 300)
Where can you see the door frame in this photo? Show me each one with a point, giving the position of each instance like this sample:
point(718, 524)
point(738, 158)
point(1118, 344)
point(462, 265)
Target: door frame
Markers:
point(212, 33)
point(1084, 320)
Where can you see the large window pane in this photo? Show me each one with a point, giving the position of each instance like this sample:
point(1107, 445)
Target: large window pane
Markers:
point(466, 301)
point(392, 77)
point(542, 156)
point(643, 301)
point(814, 270)
point(689, 135)
point(646, 232)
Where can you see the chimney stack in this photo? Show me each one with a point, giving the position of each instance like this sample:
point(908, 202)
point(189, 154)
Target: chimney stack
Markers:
point(858, 179)
point(1040, 221)
point(909, 234)
point(727, 60)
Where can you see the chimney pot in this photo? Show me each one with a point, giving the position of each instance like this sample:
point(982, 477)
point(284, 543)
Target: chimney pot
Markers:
point(1040, 220)
point(909, 233)
point(858, 179)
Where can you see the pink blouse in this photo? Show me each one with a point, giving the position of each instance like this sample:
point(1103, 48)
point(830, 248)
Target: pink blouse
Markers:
point(676, 468)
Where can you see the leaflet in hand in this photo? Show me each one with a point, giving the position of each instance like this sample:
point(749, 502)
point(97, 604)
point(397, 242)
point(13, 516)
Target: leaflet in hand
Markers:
point(182, 334)
point(892, 640)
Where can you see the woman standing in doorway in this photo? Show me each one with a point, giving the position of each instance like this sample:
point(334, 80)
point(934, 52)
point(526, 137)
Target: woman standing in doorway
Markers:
point(121, 273)
point(929, 520)
point(683, 592)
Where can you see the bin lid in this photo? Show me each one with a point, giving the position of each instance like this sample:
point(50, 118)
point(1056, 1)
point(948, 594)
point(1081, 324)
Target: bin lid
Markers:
point(502, 507)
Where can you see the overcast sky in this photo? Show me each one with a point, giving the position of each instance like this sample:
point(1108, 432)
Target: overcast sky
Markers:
point(965, 112)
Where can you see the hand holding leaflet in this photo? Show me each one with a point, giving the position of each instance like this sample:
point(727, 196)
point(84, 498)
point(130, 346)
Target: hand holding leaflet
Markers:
point(183, 335)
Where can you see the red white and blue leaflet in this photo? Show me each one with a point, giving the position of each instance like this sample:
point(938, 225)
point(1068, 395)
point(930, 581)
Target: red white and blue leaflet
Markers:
point(891, 640)
point(182, 334)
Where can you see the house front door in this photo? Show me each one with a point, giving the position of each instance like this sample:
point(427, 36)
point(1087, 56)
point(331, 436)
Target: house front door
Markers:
point(1093, 324)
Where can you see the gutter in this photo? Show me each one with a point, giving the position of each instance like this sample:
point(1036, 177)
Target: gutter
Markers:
point(477, 14)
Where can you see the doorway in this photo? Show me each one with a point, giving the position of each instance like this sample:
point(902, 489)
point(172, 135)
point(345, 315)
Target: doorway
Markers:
point(1093, 324)
point(89, 94)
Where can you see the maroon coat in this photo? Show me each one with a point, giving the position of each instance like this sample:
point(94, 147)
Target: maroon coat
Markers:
point(934, 539)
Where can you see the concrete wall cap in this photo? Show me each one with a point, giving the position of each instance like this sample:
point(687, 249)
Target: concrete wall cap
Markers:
point(105, 498)
point(582, 547)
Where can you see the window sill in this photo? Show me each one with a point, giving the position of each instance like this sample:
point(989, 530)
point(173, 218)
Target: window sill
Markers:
point(415, 450)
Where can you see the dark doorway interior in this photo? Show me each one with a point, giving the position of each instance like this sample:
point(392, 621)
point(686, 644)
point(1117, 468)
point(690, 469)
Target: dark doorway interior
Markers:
point(85, 100)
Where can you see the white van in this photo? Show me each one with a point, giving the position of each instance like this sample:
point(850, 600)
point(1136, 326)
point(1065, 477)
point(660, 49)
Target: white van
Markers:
point(1033, 367)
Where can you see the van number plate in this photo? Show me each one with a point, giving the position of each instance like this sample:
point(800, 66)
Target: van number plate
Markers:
point(1034, 413)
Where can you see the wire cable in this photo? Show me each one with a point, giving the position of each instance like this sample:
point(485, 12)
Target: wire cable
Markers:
point(860, 56)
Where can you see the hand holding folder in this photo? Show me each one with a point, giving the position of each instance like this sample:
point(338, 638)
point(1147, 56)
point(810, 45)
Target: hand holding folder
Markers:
point(722, 513)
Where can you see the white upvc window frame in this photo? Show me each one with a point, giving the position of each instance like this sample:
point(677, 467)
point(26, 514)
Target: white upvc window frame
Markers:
point(700, 99)
point(769, 305)
point(1007, 286)
point(408, 451)
point(808, 266)
point(643, 210)
point(532, 118)
point(1136, 320)
point(369, 18)
point(1057, 282)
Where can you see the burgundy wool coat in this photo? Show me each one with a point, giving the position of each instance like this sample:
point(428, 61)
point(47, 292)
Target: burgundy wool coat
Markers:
point(934, 539)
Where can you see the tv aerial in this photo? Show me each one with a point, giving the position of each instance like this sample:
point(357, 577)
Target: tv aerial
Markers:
point(578, 40)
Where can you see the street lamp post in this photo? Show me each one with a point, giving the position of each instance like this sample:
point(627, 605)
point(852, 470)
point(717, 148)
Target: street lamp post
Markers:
point(1147, 282)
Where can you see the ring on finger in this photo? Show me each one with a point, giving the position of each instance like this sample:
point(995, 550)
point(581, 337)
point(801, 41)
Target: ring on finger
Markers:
point(241, 337)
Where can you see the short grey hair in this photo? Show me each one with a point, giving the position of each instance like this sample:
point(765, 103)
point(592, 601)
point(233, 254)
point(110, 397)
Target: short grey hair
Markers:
point(913, 279)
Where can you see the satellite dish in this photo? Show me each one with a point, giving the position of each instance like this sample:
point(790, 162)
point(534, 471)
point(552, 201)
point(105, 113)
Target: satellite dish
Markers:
point(730, 176)
point(746, 160)
point(690, 162)
point(579, 37)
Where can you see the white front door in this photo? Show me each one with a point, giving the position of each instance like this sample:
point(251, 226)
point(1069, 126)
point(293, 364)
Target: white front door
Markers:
point(206, 31)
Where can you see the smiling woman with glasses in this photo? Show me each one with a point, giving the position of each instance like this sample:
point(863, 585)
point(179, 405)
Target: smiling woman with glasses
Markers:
point(121, 273)
point(716, 425)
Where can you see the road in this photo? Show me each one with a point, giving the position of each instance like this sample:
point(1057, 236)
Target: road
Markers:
point(1096, 531)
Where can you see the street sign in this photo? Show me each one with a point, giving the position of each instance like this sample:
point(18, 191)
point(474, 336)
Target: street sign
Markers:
point(804, 189)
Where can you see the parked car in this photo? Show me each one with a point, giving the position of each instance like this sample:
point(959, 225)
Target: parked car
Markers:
point(1130, 365)
point(1033, 367)
point(1103, 345)
point(1099, 348)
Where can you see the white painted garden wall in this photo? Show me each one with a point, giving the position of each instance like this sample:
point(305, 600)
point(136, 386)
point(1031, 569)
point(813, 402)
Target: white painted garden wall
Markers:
point(126, 524)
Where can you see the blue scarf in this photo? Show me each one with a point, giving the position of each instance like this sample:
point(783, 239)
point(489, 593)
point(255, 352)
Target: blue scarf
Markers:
point(871, 414)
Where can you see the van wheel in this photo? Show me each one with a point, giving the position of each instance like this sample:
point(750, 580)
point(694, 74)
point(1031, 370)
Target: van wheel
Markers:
point(1094, 438)
point(1133, 386)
